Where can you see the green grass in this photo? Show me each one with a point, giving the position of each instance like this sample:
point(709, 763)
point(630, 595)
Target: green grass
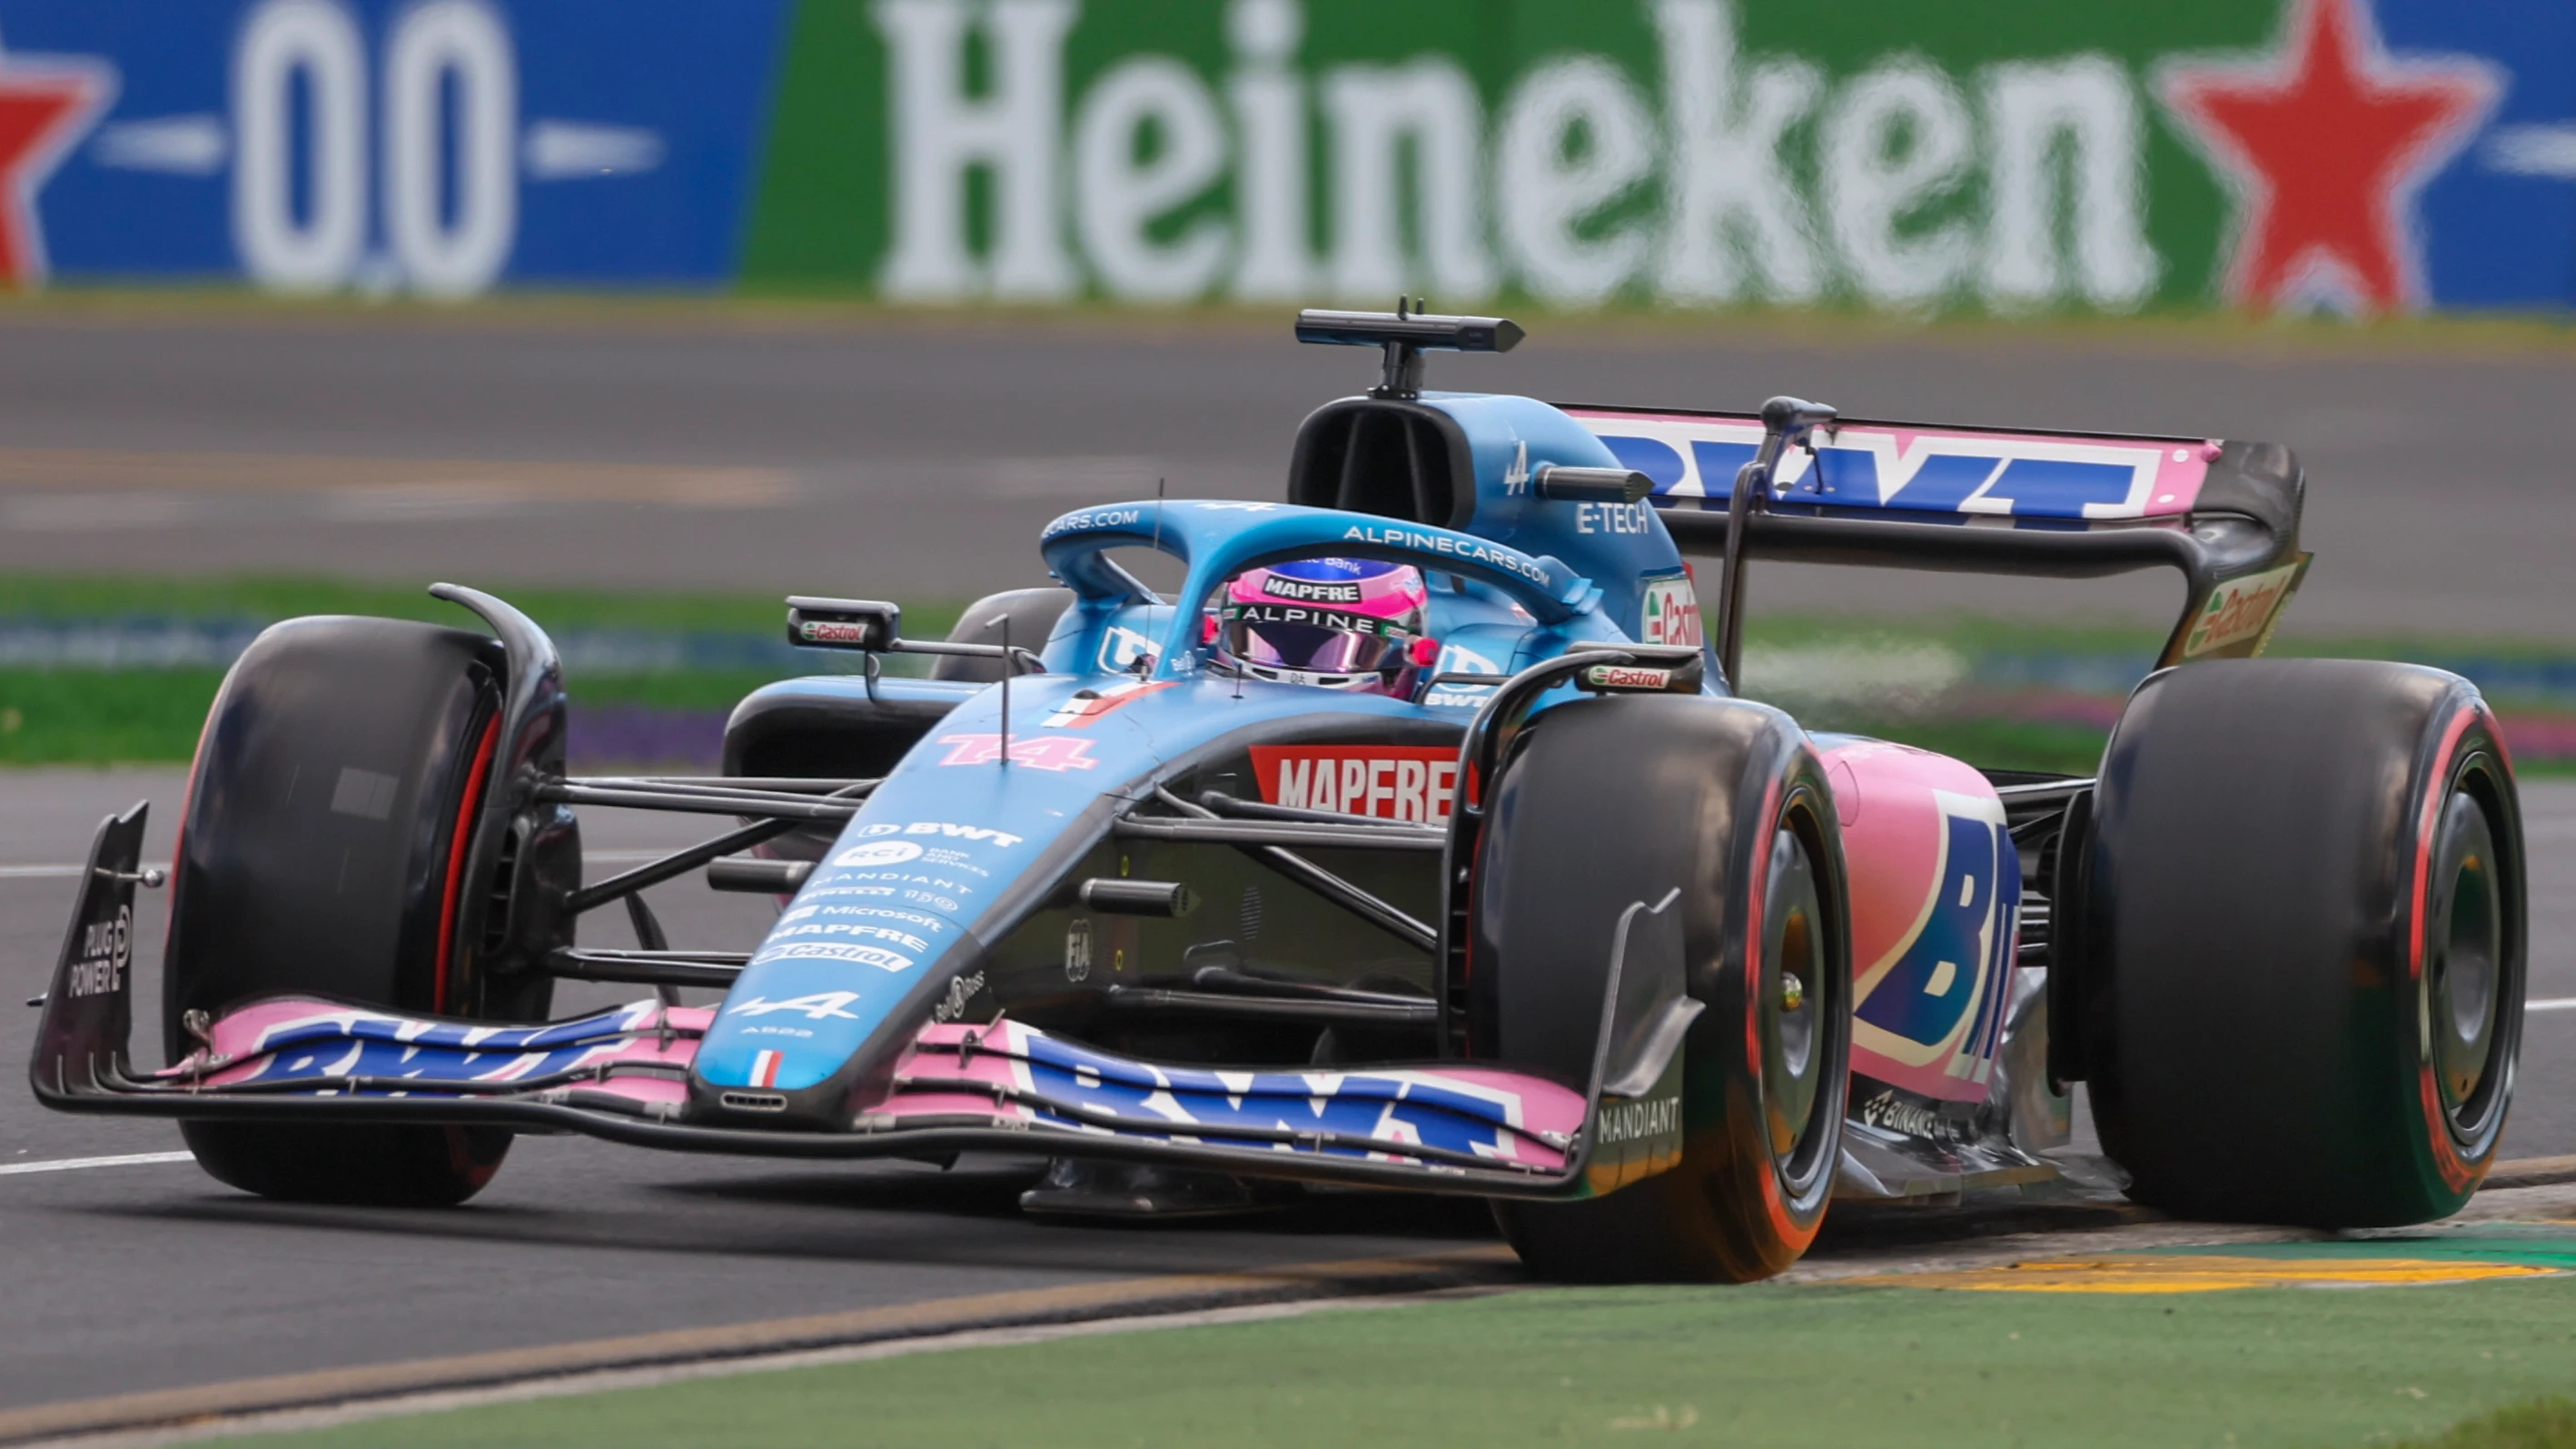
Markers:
point(1967, 633)
point(100, 716)
point(2548, 1423)
point(136, 716)
point(81, 716)
point(1973, 634)
point(1981, 726)
point(1769, 1365)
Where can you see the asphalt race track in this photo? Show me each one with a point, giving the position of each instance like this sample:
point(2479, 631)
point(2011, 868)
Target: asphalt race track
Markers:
point(130, 1278)
point(137, 1277)
point(919, 461)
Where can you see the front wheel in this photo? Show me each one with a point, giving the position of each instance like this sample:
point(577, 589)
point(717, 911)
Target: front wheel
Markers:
point(323, 853)
point(1614, 802)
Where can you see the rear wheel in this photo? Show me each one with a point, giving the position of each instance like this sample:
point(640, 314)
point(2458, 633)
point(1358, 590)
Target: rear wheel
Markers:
point(2304, 960)
point(1617, 801)
point(323, 852)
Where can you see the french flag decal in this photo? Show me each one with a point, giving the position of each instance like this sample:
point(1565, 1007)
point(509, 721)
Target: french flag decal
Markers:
point(764, 1069)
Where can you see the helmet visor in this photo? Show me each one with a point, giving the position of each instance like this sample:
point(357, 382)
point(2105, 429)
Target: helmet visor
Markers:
point(1323, 641)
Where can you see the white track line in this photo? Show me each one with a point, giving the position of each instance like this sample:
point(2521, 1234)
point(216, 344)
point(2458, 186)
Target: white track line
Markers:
point(75, 1164)
point(2562, 1003)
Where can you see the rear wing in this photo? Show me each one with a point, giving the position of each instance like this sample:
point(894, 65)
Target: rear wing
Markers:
point(1994, 500)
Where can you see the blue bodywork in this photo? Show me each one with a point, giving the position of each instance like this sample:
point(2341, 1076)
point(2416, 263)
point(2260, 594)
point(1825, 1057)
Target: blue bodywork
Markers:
point(959, 844)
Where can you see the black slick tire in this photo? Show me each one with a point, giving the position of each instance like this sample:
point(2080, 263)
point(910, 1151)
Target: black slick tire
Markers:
point(1609, 802)
point(2304, 940)
point(321, 853)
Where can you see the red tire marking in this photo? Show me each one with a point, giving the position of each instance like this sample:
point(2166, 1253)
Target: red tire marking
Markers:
point(2433, 802)
point(2456, 1171)
point(460, 1144)
point(1754, 901)
point(1775, 1203)
point(456, 859)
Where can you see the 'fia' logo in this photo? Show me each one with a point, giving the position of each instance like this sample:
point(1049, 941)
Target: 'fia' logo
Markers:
point(1077, 950)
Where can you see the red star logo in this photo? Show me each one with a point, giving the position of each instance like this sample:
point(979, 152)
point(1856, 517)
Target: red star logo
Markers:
point(45, 106)
point(2325, 143)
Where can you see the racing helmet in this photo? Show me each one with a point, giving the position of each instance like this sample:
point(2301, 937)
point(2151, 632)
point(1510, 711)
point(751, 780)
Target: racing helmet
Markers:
point(1336, 623)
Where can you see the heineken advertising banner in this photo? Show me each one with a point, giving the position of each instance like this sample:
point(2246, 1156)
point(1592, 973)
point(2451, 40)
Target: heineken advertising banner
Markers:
point(2004, 156)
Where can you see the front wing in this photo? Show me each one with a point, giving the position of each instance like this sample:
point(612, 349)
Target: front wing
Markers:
point(622, 1075)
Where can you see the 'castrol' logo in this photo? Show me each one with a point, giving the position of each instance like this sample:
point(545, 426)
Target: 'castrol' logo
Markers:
point(832, 631)
point(1627, 676)
point(2238, 610)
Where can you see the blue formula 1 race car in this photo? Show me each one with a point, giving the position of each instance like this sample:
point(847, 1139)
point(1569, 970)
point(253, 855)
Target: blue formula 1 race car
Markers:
point(1417, 841)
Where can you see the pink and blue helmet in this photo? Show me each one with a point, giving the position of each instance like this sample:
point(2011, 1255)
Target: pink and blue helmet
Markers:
point(1338, 623)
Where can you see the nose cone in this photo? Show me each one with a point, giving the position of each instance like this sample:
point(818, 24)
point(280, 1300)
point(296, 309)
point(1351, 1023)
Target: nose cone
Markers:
point(880, 935)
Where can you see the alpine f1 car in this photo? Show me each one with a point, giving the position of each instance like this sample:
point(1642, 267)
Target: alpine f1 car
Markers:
point(1417, 841)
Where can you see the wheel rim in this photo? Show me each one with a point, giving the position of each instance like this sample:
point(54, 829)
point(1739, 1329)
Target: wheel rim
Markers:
point(1795, 995)
point(2463, 969)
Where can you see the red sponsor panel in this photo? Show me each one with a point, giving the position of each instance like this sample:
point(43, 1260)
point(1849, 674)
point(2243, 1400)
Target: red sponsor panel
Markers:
point(1393, 782)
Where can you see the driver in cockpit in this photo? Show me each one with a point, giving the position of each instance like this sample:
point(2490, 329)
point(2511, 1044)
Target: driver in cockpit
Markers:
point(1333, 623)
